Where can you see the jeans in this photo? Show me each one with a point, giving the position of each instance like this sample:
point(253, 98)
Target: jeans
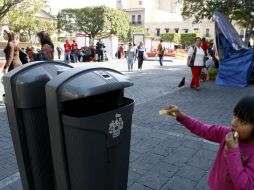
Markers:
point(140, 62)
point(160, 59)
point(130, 64)
point(67, 57)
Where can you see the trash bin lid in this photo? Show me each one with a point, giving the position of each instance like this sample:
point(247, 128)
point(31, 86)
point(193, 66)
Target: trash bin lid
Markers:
point(28, 82)
point(91, 82)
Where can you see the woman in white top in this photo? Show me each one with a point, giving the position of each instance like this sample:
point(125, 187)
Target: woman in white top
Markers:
point(198, 55)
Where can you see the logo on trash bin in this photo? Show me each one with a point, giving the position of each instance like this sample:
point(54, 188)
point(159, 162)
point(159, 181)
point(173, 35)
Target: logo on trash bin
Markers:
point(115, 126)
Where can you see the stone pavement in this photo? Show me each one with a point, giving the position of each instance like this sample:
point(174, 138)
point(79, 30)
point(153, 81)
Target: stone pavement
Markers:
point(164, 155)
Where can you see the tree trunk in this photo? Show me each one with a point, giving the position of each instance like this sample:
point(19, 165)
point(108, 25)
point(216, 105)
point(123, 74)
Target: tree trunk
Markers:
point(248, 34)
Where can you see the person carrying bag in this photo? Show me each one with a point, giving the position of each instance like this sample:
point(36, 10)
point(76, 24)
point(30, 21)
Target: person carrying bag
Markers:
point(195, 61)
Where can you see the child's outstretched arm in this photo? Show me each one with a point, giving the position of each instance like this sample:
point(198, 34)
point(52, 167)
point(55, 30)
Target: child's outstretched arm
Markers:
point(213, 133)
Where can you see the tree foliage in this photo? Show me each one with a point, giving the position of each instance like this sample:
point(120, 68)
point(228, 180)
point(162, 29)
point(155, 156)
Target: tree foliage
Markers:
point(168, 37)
point(94, 21)
point(240, 11)
point(6, 6)
point(187, 39)
point(22, 19)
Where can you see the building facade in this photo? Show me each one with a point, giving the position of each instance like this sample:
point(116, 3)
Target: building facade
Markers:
point(162, 16)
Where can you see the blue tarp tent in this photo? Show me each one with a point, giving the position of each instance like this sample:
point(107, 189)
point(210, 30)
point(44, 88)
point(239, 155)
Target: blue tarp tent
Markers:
point(235, 58)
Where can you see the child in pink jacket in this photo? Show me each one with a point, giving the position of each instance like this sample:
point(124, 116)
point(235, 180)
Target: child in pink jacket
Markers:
point(233, 168)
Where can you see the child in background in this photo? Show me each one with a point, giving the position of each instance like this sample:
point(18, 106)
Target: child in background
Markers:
point(130, 54)
point(233, 168)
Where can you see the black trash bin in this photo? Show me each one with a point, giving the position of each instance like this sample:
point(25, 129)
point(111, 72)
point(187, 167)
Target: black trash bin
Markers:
point(26, 109)
point(90, 129)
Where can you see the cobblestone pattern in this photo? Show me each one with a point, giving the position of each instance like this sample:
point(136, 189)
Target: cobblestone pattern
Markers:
point(164, 155)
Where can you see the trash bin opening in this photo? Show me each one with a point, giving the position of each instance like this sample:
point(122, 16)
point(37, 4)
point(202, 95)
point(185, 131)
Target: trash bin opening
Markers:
point(94, 105)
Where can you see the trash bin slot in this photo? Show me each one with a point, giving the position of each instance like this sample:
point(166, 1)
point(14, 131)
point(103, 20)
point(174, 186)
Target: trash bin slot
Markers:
point(93, 105)
point(106, 76)
point(102, 122)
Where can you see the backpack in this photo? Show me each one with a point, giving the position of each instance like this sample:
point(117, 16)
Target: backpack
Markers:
point(23, 56)
point(162, 48)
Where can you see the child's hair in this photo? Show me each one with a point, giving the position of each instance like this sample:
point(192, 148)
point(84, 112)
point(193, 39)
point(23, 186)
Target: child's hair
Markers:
point(244, 109)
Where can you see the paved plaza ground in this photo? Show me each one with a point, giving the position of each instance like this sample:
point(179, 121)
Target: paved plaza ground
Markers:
point(164, 155)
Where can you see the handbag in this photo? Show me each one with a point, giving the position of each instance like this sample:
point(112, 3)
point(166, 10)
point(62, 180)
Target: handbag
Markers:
point(192, 60)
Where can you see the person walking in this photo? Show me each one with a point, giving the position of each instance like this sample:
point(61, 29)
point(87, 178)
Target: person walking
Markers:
point(67, 51)
point(59, 51)
point(160, 52)
point(130, 54)
point(11, 52)
point(135, 52)
point(195, 60)
point(74, 51)
point(140, 51)
point(99, 48)
point(47, 46)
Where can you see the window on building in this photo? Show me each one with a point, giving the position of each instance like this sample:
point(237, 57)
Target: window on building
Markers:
point(176, 30)
point(158, 32)
point(207, 33)
point(133, 20)
point(167, 30)
point(196, 29)
point(140, 2)
point(186, 30)
point(119, 1)
point(139, 19)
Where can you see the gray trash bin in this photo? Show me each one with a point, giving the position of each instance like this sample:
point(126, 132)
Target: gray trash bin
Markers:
point(26, 109)
point(90, 129)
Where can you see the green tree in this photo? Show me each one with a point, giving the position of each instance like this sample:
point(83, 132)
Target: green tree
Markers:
point(168, 37)
point(6, 6)
point(66, 20)
point(240, 11)
point(244, 16)
point(94, 21)
point(22, 19)
point(187, 39)
point(200, 10)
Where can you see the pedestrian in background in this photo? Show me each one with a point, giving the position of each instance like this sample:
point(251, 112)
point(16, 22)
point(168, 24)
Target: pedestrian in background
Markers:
point(11, 52)
point(121, 49)
point(47, 46)
point(130, 54)
point(67, 51)
point(160, 52)
point(135, 52)
point(196, 60)
point(140, 51)
point(233, 168)
point(59, 51)
point(74, 51)
point(204, 46)
point(100, 48)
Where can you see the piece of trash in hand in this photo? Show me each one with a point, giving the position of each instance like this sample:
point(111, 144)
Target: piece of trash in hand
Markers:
point(235, 134)
point(164, 112)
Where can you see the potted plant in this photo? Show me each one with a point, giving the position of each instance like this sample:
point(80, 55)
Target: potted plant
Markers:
point(212, 72)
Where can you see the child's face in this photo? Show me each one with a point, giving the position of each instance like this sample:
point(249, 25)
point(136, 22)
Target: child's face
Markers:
point(244, 129)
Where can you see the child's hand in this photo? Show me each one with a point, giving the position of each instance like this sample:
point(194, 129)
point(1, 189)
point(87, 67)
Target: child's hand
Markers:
point(174, 111)
point(231, 142)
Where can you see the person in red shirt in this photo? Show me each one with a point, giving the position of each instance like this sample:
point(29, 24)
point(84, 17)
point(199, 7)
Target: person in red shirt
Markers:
point(67, 51)
point(74, 51)
point(204, 46)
